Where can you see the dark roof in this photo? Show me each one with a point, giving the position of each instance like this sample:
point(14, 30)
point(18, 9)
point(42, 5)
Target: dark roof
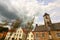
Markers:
point(25, 31)
point(2, 29)
point(40, 28)
point(45, 14)
point(55, 26)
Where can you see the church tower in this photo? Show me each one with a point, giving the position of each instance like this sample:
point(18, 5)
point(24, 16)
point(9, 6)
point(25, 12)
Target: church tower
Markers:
point(47, 20)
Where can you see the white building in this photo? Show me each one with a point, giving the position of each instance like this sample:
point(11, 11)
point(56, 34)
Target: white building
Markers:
point(8, 36)
point(18, 35)
point(30, 36)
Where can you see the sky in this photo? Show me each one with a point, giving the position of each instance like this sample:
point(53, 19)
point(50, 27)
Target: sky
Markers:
point(27, 9)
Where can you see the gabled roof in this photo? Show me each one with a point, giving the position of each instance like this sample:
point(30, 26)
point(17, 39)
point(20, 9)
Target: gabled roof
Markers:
point(40, 28)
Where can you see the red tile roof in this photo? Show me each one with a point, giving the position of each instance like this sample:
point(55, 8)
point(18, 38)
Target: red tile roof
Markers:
point(24, 30)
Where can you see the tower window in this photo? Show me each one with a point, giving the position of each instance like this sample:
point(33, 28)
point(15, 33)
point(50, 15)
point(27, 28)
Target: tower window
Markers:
point(48, 23)
point(46, 17)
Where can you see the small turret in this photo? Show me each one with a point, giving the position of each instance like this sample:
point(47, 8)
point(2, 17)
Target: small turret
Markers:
point(16, 23)
point(29, 26)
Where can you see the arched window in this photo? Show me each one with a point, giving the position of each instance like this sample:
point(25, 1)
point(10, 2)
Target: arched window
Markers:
point(20, 39)
point(12, 38)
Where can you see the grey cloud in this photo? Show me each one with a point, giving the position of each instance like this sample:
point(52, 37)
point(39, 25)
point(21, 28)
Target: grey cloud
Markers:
point(12, 14)
point(16, 12)
point(6, 13)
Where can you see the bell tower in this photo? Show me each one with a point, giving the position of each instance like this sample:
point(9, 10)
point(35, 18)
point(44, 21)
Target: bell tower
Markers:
point(47, 20)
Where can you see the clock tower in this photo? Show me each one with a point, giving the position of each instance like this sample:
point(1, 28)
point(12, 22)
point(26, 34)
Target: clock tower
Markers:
point(47, 20)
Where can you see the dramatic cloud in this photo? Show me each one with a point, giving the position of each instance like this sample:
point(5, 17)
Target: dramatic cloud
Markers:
point(5, 12)
point(26, 9)
point(21, 8)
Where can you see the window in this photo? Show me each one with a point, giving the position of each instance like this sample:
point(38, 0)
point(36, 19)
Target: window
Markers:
point(31, 35)
point(37, 35)
point(10, 34)
point(8, 38)
point(36, 39)
point(31, 39)
point(16, 38)
point(43, 35)
point(12, 38)
point(28, 36)
point(48, 23)
point(17, 34)
point(20, 39)
point(46, 17)
point(20, 35)
point(58, 34)
point(27, 39)
point(20, 31)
